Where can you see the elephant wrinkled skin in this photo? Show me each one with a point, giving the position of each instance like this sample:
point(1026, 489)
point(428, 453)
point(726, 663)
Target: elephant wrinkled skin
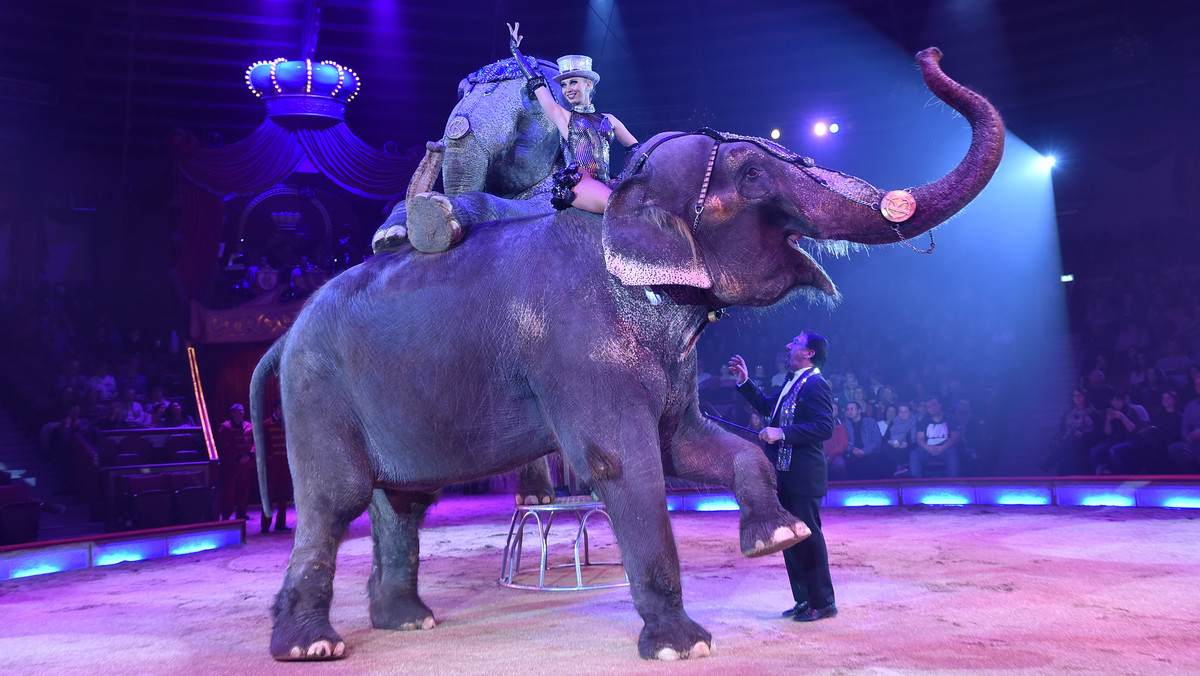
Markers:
point(410, 372)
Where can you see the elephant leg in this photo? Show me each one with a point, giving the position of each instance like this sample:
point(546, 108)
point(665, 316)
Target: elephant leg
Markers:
point(433, 223)
point(392, 587)
point(533, 483)
point(710, 455)
point(624, 468)
point(332, 487)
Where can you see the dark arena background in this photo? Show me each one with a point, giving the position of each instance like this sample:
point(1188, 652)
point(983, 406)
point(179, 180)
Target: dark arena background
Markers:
point(165, 212)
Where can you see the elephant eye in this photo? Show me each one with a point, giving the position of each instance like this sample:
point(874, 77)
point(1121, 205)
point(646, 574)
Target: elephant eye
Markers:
point(753, 172)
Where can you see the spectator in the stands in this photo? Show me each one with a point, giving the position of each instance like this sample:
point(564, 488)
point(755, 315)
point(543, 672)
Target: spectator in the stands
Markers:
point(863, 458)
point(132, 413)
point(173, 416)
point(1166, 423)
point(1120, 436)
point(835, 446)
point(1099, 392)
point(1175, 364)
point(1149, 392)
point(103, 382)
point(1186, 452)
point(1078, 433)
point(900, 438)
point(132, 379)
point(938, 437)
point(72, 377)
point(156, 404)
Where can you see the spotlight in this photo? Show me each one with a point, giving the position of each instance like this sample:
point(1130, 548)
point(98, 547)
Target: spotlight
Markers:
point(820, 128)
point(1046, 162)
point(775, 134)
point(833, 128)
point(1067, 278)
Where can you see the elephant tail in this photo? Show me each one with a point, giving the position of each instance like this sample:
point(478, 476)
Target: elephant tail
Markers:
point(267, 366)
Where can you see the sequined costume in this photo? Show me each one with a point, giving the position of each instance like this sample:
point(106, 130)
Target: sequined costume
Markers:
point(589, 137)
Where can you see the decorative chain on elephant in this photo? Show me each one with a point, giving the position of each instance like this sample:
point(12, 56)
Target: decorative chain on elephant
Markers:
point(411, 372)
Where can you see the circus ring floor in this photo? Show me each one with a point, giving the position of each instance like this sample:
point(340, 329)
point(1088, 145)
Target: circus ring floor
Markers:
point(921, 589)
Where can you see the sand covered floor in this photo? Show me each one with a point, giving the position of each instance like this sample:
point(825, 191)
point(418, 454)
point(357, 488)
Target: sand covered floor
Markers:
point(920, 590)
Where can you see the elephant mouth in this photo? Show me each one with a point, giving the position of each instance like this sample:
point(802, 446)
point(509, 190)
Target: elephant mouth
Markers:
point(815, 273)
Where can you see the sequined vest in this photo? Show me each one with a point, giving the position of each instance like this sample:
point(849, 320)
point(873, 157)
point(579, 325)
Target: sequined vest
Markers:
point(589, 136)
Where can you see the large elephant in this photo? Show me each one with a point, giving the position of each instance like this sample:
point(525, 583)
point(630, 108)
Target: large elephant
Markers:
point(566, 332)
point(497, 140)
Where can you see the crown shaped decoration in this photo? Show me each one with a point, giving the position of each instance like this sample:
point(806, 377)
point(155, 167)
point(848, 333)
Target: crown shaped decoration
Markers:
point(302, 87)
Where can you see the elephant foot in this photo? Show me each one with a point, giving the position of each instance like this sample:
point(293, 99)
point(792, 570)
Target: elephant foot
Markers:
point(678, 638)
point(402, 616)
point(535, 498)
point(762, 537)
point(306, 641)
point(432, 226)
point(386, 239)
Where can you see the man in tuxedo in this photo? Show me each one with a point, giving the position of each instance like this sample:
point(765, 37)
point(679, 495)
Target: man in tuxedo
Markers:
point(799, 419)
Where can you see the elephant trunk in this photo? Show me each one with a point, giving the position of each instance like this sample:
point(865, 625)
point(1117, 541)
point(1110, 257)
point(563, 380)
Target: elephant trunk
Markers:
point(466, 166)
point(863, 222)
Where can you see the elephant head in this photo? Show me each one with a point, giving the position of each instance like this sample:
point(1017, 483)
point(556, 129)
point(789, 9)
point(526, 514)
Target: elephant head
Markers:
point(732, 215)
point(498, 140)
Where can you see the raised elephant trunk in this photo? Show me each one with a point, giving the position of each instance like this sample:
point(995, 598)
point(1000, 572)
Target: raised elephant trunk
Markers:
point(862, 221)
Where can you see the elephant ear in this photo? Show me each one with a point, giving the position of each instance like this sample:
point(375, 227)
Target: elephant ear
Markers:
point(646, 245)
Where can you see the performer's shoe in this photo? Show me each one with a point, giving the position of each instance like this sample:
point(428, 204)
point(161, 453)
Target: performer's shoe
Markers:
point(796, 609)
point(432, 226)
point(282, 528)
point(814, 614)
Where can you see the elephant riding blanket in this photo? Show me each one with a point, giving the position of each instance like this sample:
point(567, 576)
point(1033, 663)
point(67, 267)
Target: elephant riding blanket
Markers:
point(567, 332)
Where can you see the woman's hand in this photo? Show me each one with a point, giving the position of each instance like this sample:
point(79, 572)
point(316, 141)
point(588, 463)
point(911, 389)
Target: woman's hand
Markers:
point(514, 32)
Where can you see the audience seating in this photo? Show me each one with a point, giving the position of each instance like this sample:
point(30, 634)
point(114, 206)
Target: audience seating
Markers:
point(13, 493)
point(20, 521)
point(138, 445)
point(151, 509)
point(125, 459)
point(194, 504)
point(5, 478)
point(181, 442)
point(187, 456)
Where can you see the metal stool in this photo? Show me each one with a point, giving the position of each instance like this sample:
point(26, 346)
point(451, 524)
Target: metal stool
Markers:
point(583, 507)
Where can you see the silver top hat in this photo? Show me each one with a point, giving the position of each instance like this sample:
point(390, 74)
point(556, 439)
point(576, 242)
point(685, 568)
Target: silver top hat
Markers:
point(576, 65)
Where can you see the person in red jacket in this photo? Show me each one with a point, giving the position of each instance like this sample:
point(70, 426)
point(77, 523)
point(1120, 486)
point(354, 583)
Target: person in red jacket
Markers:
point(279, 475)
point(235, 450)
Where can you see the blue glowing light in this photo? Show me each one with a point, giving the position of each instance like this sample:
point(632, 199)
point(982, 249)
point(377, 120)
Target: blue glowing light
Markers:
point(949, 498)
point(834, 128)
point(120, 556)
point(1013, 495)
point(129, 550)
point(1046, 162)
point(1107, 500)
point(863, 498)
point(820, 128)
point(1182, 501)
point(714, 503)
point(37, 569)
point(42, 562)
point(199, 542)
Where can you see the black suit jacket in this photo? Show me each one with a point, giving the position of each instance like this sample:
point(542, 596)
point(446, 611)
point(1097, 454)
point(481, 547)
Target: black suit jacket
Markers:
point(812, 425)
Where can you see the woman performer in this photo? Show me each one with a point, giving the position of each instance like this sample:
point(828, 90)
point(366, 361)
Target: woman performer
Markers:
point(585, 183)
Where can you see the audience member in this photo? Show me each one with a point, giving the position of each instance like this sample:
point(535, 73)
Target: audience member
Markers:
point(862, 457)
point(1119, 436)
point(900, 438)
point(835, 446)
point(937, 439)
point(1186, 453)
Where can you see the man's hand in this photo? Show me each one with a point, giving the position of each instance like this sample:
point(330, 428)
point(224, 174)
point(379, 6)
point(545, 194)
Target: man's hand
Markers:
point(935, 451)
point(740, 372)
point(769, 434)
point(858, 452)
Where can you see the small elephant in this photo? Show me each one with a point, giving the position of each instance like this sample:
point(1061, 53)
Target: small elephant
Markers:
point(497, 140)
point(572, 332)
